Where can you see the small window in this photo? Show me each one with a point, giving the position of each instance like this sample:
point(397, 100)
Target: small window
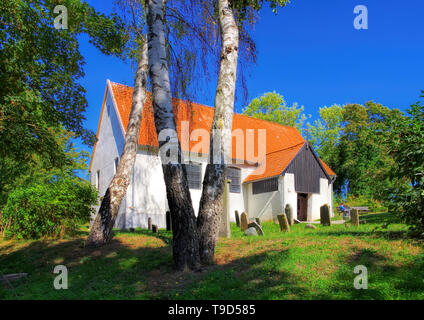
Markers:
point(98, 179)
point(265, 186)
point(234, 175)
point(194, 175)
point(115, 165)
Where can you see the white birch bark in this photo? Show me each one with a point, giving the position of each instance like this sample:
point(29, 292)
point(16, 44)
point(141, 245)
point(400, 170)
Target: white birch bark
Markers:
point(101, 229)
point(185, 239)
point(211, 206)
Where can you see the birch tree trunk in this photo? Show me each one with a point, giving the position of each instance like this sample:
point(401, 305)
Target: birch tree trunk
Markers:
point(185, 240)
point(101, 229)
point(211, 206)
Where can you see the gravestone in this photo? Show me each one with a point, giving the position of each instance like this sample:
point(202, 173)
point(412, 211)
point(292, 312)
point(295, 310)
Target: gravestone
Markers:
point(224, 228)
point(354, 217)
point(237, 219)
point(257, 227)
point(251, 232)
point(289, 213)
point(243, 221)
point(168, 221)
point(258, 221)
point(284, 223)
point(149, 223)
point(325, 215)
point(154, 228)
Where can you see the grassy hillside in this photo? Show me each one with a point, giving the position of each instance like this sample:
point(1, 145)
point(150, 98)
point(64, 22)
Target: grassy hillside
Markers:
point(302, 264)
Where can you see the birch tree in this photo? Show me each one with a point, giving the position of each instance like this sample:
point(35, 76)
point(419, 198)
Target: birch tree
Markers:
point(179, 54)
point(211, 206)
point(185, 240)
point(101, 229)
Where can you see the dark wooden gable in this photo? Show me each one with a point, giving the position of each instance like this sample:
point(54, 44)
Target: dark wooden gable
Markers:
point(307, 171)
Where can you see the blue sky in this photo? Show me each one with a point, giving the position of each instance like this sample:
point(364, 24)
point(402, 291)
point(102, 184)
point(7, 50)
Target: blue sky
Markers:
point(310, 53)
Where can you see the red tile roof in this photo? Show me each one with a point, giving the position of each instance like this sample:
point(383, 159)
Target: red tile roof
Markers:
point(275, 163)
point(282, 142)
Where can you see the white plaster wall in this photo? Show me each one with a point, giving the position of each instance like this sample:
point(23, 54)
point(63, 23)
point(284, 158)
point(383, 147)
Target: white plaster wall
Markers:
point(318, 200)
point(146, 195)
point(265, 206)
point(238, 201)
point(290, 195)
point(109, 146)
point(330, 197)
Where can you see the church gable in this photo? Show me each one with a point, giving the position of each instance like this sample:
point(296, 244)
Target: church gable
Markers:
point(307, 171)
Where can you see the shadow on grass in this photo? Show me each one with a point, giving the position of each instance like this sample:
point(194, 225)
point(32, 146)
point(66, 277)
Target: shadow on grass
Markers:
point(122, 271)
point(138, 265)
point(386, 278)
point(379, 218)
point(165, 236)
point(384, 234)
point(115, 271)
point(257, 277)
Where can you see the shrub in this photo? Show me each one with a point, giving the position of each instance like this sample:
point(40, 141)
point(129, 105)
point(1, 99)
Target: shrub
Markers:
point(361, 201)
point(48, 206)
point(407, 145)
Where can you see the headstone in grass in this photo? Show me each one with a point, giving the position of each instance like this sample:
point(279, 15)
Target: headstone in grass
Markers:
point(251, 232)
point(284, 223)
point(310, 226)
point(325, 215)
point(149, 223)
point(257, 227)
point(258, 221)
point(243, 221)
point(289, 213)
point(237, 219)
point(168, 221)
point(354, 217)
point(154, 228)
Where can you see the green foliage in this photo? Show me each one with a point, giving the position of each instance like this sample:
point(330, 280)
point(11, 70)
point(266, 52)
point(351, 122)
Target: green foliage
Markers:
point(49, 205)
point(353, 140)
point(272, 107)
point(242, 6)
point(407, 146)
point(40, 67)
point(40, 198)
point(325, 133)
point(361, 201)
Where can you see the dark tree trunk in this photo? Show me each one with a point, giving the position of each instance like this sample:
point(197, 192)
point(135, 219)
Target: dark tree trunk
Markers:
point(211, 206)
point(185, 240)
point(101, 229)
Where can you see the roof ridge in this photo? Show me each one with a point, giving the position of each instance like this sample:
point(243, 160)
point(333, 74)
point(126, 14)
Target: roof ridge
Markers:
point(293, 146)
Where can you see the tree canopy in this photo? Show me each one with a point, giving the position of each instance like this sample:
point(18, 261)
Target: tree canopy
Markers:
point(271, 106)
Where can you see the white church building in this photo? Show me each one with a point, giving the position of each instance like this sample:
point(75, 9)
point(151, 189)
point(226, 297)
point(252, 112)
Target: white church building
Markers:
point(273, 165)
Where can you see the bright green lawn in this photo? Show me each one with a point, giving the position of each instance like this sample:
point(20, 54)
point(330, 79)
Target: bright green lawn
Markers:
point(302, 264)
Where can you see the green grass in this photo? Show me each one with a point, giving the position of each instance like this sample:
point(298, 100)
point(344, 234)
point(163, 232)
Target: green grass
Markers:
point(302, 264)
